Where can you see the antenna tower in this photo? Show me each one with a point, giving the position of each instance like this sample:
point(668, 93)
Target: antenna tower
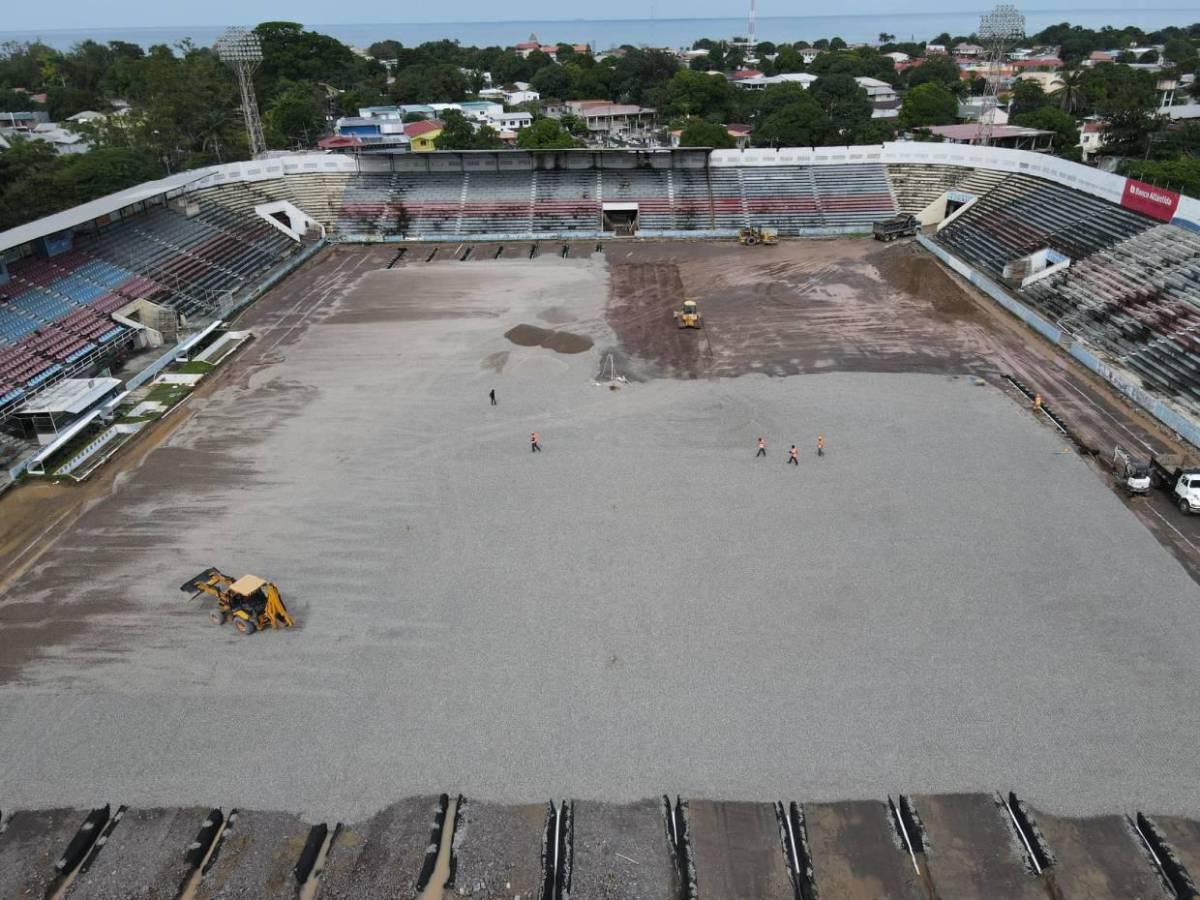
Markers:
point(239, 49)
point(998, 31)
point(750, 26)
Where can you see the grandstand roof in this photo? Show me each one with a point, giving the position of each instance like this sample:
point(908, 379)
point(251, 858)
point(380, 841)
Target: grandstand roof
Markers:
point(71, 396)
point(94, 209)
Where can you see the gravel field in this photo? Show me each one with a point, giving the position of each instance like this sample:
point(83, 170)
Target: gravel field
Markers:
point(946, 602)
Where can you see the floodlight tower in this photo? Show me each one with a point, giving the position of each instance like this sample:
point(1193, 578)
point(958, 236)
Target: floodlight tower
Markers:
point(750, 26)
point(998, 31)
point(239, 49)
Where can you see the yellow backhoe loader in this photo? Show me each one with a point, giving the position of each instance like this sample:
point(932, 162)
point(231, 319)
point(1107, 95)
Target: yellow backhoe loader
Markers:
point(249, 602)
point(748, 237)
point(689, 316)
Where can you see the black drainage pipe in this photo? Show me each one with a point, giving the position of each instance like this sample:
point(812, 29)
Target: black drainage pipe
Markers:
point(435, 843)
point(566, 251)
point(466, 254)
point(1031, 835)
point(912, 832)
point(533, 250)
point(549, 841)
point(105, 832)
point(685, 859)
point(453, 865)
point(432, 254)
point(795, 846)
point(312, 849)
point(83, 840)
point(1173, 870)
point(195, 853)
point(499, 251)
point(399, 256)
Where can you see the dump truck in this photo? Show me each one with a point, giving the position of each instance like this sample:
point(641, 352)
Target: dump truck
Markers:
point(896, 227)
point(749, 237)
point(1179, 475)
point(1133, 475)
point(250, 603)
point(689, 316)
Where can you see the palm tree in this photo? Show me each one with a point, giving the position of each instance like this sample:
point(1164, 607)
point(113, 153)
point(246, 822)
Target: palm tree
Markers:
point(1071, 91)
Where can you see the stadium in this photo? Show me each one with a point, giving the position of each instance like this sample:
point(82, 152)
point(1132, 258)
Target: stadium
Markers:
point(948, 657)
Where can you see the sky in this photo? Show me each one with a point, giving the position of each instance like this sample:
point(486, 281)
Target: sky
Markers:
point(136, 13)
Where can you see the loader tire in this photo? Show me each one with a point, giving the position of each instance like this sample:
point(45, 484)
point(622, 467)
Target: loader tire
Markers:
point(245, 626)
point(217, 617)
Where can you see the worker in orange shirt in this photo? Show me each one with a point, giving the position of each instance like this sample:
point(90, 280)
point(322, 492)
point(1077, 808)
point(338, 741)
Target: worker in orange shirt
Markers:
point(535, 443)
point(793, 456)
point(762, 448)
point(820, 445)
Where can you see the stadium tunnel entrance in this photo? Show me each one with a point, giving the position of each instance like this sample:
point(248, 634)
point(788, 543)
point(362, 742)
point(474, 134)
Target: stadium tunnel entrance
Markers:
point(620, 219)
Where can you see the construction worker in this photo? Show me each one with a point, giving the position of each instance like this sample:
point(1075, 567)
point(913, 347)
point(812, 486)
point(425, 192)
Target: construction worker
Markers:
point(1037, 402)
point(762, 448)
point(492, 395)
point(820, 445)
point(793, 456)
point(535, 443)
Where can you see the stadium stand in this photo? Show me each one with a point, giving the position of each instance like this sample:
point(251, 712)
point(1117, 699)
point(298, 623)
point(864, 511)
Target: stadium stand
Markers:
point(565, 201)
point(56, 312)
point(1138, 299)
point(1023, 214)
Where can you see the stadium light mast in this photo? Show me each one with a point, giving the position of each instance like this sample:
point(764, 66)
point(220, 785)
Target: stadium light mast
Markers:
point(239, 49)
point(998, 30)
point(750, 26)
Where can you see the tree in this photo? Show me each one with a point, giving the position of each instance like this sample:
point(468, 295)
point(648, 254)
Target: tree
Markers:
point(1130, 131)
point(1027, 96)
point(459, 134)
point(837, 44)
point(938, 69)
point(796, 120)
point(552, 81)
point(943, 39)
point(429, 84)
point(1070, 90)
point(1109, 88)
point(545, 134)
point(698, 133)
point(885, 38)
point(928, 104)
point(1181, 175)
point(689, 93)
point(638, 72)
point(1049, 118)
point(295, 117)
point(846, 105)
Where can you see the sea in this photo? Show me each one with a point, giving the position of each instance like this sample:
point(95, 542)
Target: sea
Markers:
point(645, 32)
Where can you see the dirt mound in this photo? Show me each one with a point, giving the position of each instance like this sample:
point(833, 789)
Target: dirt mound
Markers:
point(558, 341)
point(919, 275)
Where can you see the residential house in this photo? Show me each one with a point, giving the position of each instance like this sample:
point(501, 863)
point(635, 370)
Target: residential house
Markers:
point(605, 117)
point(423, 135)
point(1011, 136)
point(964, 49)
point(1091, 138)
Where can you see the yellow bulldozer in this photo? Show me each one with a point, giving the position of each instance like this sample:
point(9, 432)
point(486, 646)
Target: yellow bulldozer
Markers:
point(249, 602)
point(748, 237)
point(689, 316)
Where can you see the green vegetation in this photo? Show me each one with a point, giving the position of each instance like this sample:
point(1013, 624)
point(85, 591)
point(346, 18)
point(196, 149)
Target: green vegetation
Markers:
point(181, 103)
point(698, 133)
point(193, 367)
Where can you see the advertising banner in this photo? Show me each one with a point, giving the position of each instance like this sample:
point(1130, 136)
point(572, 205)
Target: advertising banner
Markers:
point(1155, 202)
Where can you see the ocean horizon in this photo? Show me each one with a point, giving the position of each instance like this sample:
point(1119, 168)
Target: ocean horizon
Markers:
point(603, 34)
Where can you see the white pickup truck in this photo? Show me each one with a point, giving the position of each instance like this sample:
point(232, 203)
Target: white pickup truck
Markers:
point(1179, 475)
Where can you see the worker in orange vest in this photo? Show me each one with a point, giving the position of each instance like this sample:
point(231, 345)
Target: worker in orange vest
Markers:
point(793, 456)
point(820, 445)
point(535, 443)
point(1037, 402)
point(762, 448)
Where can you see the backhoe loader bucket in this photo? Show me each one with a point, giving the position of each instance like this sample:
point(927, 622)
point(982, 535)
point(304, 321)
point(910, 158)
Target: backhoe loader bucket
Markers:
point(193, 584)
